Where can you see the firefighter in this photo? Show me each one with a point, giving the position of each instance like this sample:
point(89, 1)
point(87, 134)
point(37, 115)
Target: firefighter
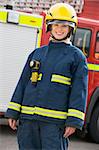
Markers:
point(50, 98)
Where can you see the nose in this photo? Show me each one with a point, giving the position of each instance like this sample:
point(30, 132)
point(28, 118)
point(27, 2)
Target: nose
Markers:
point(59, 28)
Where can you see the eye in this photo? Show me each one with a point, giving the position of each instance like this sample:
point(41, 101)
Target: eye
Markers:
point(56, 25)
point(64, 25)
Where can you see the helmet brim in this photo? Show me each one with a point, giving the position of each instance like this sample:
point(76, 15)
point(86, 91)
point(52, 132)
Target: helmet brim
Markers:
point(71, 24)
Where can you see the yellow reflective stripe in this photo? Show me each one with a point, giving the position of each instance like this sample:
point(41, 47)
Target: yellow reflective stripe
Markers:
point(3, 16)
point(51, 113)
point(27, 110)
point(14, 106)
point(94, 67)
point(30, 20)
point(40, 76)
point(76, 113)
point(61, 79)
point(44, 112)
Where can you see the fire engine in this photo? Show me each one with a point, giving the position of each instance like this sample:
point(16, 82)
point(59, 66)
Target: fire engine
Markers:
point(22, 32)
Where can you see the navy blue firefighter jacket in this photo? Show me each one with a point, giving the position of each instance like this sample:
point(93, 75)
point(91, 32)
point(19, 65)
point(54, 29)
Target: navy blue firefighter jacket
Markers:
point(59, 96)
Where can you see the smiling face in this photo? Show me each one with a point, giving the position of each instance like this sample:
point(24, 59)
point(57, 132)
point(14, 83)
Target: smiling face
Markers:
point(59, 31)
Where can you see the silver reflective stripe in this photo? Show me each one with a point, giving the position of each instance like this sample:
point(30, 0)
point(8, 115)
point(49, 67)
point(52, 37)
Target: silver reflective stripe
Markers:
point(27, 110)
point(61, 79)
point(76, 113)
point(51, 113)
point(44, 112)
point(14, 106)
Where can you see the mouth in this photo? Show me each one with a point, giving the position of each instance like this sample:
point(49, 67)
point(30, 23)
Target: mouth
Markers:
point(59, 34)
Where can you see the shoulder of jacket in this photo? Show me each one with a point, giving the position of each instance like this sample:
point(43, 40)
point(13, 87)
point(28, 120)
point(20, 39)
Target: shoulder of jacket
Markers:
point(78, 54)
point(38, 50)
point(41, 48)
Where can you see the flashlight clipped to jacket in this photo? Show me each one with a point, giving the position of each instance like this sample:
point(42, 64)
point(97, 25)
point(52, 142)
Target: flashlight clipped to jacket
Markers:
point(35, 65)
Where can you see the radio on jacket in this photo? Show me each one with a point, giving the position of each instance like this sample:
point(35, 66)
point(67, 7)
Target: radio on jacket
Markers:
point(35, 65)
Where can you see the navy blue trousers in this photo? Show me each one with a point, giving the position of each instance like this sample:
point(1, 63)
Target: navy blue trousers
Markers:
point(39, 135)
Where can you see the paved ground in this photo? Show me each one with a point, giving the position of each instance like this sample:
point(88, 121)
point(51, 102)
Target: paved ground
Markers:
point(8, 141)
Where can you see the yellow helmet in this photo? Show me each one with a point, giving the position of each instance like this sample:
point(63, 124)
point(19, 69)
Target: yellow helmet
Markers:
point(62, 12)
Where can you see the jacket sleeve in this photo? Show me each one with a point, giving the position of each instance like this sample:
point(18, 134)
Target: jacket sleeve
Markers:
point(14, 107)
point(78, 94)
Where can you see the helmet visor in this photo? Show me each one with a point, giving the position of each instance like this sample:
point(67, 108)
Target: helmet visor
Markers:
point(71, 24)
